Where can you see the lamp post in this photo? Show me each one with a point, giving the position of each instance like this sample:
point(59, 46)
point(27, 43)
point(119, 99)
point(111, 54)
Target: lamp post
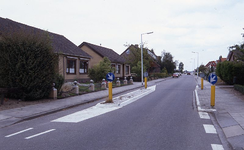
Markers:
point(193, 66)
point(197, 63)
point(142, 56)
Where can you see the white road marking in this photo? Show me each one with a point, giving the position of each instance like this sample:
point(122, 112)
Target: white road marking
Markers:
point(217, 147)
point(100, 109)
point(29, 137)
point(203, 115)
point(19, 132)
point(209, 128)
point(199, 105)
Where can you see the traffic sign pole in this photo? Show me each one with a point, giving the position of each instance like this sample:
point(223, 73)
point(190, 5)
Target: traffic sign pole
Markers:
point(145, 82)
point(213, 95)
point(110, 95)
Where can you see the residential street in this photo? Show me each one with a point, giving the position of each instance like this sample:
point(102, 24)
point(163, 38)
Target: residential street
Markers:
point(164, 119)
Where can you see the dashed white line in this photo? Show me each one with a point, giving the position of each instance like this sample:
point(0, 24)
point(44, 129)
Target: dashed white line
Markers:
point(217, 147)
point(29, 137)
point(19, 132)
point(203, 115)
point(209, 129)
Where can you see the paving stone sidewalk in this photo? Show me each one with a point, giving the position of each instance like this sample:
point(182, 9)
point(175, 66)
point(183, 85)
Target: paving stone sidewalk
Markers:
point(229, 111)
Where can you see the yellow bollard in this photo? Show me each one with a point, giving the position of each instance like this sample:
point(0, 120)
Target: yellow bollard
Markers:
point(145, 82)
point(201, 83)
point(110, 95)
point(212, 95)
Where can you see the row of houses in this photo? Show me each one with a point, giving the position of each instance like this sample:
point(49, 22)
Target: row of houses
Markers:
point(232, 56)
point(74, 61)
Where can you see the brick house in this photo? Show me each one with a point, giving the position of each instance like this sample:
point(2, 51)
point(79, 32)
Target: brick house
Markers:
point(97, 53)
point(73, 62)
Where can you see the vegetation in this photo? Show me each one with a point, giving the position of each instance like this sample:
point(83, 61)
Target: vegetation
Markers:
point(27, 62)
point(99, 72)
point(167, 62)
point(239, 88)
point(181, 67)
point(231, 72)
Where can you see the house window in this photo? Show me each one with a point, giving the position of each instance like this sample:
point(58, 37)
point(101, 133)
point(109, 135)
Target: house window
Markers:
point(127, 69)
point(71, 66)
point(83, 67)
point(118, 69)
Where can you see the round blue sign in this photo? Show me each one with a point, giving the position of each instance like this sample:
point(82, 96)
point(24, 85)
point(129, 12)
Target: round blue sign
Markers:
point(110, 76)
point(212, 78)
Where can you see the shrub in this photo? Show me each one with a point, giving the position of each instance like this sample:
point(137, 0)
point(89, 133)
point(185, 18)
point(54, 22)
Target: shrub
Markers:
point(239, 88)
point(27, 62)
point(59, 81)
point(99, 72)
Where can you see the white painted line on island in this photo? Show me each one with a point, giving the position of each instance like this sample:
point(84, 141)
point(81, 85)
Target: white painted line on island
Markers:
point(199, 105)
point(209, 128)
point(18, 132)
point(217, 147)
point(100, 109)
point(203, 115)
point(29, 137)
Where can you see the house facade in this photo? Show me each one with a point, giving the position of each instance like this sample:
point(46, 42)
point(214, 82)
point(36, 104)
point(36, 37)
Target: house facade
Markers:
point(73, 62)
point(97, 54)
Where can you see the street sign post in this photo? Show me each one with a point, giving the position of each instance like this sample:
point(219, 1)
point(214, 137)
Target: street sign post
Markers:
point(110, 76)
point(212, 78)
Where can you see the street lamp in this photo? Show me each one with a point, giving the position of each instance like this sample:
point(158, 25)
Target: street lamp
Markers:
point(197, 63)
point(142, 56)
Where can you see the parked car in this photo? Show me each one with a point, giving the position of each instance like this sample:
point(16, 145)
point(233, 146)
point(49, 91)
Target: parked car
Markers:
point(188, 73)
point(175, 75)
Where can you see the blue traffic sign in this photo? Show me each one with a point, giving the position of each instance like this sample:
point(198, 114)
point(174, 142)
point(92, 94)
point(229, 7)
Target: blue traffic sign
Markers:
point(110, 76)
point(212, 78)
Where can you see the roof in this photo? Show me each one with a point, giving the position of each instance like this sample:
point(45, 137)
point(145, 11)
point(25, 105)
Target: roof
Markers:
point(211, 64)
point(60, 43)
point(104, 52)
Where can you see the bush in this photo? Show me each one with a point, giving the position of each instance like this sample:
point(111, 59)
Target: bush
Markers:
point(239, 88)
point(231, 72)
point(27, 62)
point(99, 72)
point(59, 81)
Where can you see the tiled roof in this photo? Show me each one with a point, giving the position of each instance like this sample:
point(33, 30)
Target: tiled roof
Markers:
point(59, 42)
point(105, 52)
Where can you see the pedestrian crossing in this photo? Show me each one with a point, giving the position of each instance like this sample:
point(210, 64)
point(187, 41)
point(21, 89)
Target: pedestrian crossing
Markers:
point(210, 129)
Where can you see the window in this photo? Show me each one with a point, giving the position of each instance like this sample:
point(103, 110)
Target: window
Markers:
point(83, 67)
point(118, 69)
point(127, 70)
point(71, 66)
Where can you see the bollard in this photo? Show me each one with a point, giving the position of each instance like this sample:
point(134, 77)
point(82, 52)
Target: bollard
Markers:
point(76, 88)
point(201, 83)
point(131, 80)
point(53, 93)
point(145, 82)
point(213, 95)
point(92, 87)
point(103, 84)
point(110, 96)
point(118, 82)
point(125, 81)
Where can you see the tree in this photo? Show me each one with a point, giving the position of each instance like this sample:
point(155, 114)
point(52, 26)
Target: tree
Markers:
point(28, 63)
point(134, 58)
point(181, 67)
point(99, 71)
point(167, 62)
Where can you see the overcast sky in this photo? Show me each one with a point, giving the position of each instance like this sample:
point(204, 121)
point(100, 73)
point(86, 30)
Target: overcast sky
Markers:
point(208, 27)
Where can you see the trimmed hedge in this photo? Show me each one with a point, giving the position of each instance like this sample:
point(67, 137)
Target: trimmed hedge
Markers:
point(239, 88)
point(231, 72)
point(27, 62)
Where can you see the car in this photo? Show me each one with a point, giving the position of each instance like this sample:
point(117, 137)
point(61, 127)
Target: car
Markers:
point(188, 73)
point(175, 75)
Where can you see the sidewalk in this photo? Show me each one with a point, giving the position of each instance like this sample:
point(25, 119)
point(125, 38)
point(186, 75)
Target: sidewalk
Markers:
point(12, 116)
point(228, 111)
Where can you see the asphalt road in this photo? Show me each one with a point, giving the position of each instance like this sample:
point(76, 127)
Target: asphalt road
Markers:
point(163, 120)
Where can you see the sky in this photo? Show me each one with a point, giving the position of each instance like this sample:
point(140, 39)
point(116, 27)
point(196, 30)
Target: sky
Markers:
point(179, 27)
